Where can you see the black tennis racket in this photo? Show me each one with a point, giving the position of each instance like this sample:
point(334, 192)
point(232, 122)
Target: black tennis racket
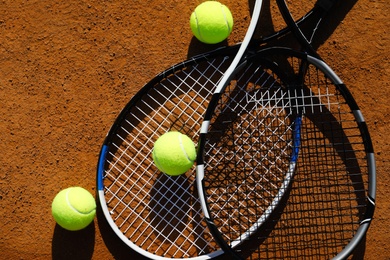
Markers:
point(331, 198)
point(271, 118)
point(155, 215)
point(249, 146)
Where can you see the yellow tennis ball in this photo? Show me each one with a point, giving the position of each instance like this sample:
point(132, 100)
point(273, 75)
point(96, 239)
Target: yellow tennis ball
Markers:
point(211, 22)
point(73, 208)
point(174, 153)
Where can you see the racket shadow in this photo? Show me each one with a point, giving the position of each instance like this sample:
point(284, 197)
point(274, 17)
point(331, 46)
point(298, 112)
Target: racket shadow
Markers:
point(331, 22)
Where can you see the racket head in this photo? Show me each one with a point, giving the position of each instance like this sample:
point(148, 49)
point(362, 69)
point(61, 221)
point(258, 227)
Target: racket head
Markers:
point(329, 202)
point(154, 214)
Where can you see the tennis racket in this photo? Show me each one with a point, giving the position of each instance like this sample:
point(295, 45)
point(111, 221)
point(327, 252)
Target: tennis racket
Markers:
point(331, 199)
point(280, 131)
point(249, 146)
point(157, 216)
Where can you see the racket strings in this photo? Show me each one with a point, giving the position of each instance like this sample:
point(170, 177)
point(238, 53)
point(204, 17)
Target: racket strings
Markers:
point(151, 209)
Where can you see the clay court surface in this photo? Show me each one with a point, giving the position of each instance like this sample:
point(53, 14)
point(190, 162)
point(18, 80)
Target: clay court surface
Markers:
point(67, 68)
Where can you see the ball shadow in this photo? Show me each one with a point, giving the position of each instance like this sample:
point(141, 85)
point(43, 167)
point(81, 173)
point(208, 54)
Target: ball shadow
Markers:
point(197, 47)
point(73, 244)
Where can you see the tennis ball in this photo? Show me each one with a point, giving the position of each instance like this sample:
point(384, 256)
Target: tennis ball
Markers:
point(74, 208)
point(211, 22)
point(174, 153)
